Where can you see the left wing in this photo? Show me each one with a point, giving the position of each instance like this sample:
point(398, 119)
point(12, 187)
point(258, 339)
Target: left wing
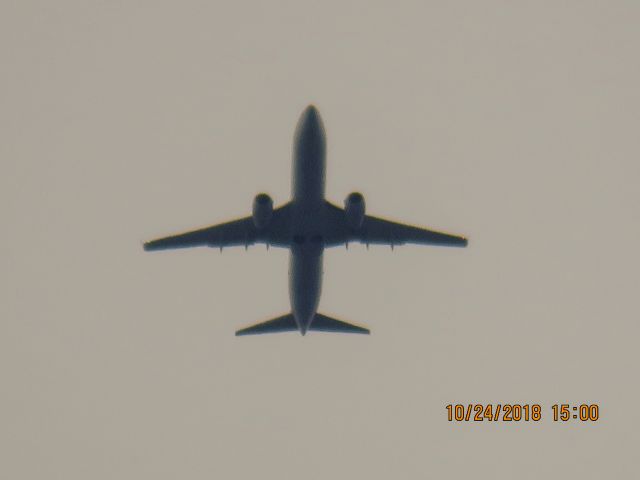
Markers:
point(376, 230)
point(234, 233)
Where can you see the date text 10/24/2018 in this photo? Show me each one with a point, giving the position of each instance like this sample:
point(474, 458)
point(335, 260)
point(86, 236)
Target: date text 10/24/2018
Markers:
point(515, 412)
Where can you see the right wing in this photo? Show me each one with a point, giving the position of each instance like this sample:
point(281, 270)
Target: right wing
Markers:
point(376, 230)
point(234, 233)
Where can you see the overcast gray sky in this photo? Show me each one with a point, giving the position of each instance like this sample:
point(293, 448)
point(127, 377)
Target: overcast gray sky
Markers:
point(514, 123)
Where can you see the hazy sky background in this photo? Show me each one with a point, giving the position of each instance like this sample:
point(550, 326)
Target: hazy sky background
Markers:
point(515, 123)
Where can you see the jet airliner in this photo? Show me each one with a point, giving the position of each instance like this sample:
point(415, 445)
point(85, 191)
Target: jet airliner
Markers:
point(306, 225)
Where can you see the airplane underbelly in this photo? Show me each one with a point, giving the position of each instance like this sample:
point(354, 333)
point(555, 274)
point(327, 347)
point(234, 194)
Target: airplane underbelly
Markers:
point(309, 181)
point(305, 285)
point(309, 151)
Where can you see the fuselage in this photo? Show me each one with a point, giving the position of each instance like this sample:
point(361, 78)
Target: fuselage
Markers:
point(308, 202)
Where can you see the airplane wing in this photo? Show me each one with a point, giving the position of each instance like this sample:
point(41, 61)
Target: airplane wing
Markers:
point(240, 232)
point(379, 231)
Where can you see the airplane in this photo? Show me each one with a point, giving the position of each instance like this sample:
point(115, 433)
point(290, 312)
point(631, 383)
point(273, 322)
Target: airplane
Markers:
point(306, 225)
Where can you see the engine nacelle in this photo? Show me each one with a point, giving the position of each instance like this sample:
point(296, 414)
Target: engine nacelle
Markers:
point(262, 210)
point(354, 208)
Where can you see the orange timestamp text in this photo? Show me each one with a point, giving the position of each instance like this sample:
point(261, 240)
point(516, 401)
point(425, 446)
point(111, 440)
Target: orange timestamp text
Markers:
point(515, 412)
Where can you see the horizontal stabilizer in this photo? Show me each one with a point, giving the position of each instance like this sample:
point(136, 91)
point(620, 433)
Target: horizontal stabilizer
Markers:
point(322, 323)
point(285, 323)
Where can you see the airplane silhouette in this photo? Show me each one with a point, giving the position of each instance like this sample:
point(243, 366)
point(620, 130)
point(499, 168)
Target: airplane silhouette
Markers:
point(306, 225)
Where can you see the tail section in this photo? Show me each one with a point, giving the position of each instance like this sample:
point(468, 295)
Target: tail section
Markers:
point(285, 323)
point(322, 323)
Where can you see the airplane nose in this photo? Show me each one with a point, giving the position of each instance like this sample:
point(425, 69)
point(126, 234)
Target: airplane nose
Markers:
point(310, 130)
point(311, 110)
point(311, 116)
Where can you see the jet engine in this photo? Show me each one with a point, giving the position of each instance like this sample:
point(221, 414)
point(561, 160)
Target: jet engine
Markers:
point(354, 209)
point(262, 210)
